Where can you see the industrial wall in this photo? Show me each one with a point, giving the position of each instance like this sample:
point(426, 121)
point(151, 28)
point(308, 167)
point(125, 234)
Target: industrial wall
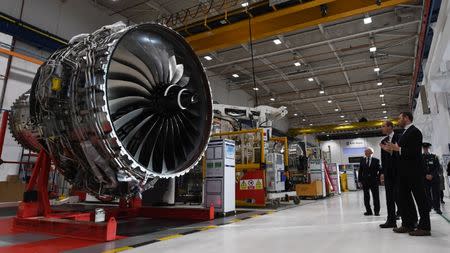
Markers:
point(62, 18)
point(432, 114)
point(341, 150)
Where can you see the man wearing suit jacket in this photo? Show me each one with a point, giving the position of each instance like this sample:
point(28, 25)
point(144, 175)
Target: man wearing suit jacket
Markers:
point(369, 169)
point(389, 174)
point(411, 175)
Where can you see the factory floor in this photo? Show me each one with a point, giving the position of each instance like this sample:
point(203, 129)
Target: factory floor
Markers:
point(334, 224)
point(331, 225)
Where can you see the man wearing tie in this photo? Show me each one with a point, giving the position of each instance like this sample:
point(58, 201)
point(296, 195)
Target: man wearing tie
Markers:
point(389, 173)
point(369, 169)
point(411, 174)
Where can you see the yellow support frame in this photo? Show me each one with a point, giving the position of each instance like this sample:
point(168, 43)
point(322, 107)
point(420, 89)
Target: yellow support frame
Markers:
point(256, 130)
point(283, 21)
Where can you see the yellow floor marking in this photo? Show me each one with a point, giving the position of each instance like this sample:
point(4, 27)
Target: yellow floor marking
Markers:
point(207, 227)
point(170, 237)
point(117, 250)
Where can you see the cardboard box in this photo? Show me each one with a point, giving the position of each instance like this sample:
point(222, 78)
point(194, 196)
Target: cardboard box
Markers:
point(313, 189)
point(11, 191)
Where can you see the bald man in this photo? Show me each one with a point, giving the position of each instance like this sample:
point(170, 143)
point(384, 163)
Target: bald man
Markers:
point(368, 177)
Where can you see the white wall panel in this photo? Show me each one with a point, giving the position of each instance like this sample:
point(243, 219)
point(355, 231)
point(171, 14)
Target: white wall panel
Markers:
point(62, 18)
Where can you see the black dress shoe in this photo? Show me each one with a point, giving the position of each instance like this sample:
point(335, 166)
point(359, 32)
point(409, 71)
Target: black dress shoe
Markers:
point(388, 225)
point(403, 230)
point(420, 232)
point(377, 214)
point(438, 211)
point(368, 213)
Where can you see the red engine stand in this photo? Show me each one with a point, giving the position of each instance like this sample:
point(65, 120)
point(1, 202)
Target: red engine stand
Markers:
point(35, 213)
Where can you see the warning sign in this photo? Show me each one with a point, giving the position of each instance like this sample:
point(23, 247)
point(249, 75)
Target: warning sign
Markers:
point(251, 184)
point(243, 185)
point(259, 184)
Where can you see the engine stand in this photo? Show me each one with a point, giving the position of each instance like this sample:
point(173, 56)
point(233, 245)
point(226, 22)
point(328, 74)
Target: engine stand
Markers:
point(35, 214)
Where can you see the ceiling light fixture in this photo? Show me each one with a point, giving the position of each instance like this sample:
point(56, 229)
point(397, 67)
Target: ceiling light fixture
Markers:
point(277, 41)
point(208, 58)
point(379, 83)
point(367, 20)
point(346, 121)
point(235, 75)
point(376, 69)
point(310, 79)
point(336, 110)
point(385, 117)
point(342, 116)
point(383, 104)
point(303, 120)
point(297, 64)
point(256, 88)
point(295, 114)
point(244, 4)
point(311, 124)
point(330, 101)
point(321, 91)
point(272, 99)
point(381, 95)
point(372, 49)
point(384, 112)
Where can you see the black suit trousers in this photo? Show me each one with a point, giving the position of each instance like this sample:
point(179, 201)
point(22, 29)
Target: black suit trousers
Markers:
point(371, 187)
point(433, 192)
point(412, 182)
point(391, 189)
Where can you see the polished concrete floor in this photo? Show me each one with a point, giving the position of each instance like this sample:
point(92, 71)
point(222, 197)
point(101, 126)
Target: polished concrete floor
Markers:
point(331, 225)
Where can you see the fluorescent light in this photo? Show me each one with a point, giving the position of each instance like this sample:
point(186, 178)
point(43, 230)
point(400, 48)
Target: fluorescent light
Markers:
point(295, 114)
point(330, 101)
point(244, 4)
point(277, 41)
point(297, 64)
point(384, 112)
point(310, 79)
point(376, 69)
point(256, 88)
point(342, 116)
point(321, 91)
point(328, 135)
point(235, 75)
point(383, 104)
point(379, 83)
point(311, 124)
point(372, 49)
point(336, 110)
point(367, 20)
point(381, 95)
point(272, 99)
point(346, 121)
point(303, 120)
point(385, 117)
point(208, 58)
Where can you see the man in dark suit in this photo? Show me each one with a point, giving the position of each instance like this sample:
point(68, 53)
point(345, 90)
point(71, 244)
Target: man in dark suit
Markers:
point(411, 174)
point(369, 169)
point(389, 174)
